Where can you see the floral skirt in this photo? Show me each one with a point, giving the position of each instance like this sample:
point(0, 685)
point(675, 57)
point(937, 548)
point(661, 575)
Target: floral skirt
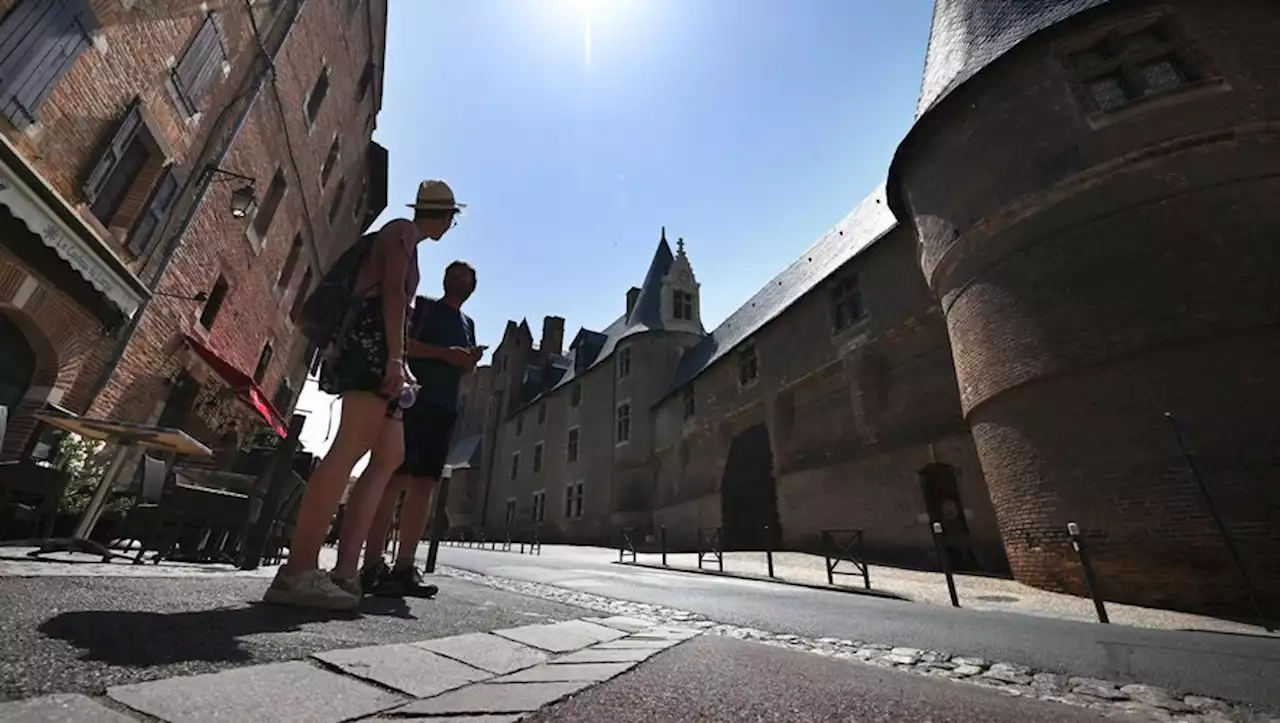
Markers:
point(356, 359)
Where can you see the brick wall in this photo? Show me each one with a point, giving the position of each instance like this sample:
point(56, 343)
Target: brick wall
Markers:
point(70, 348)
point(1118, 266)
point(276, 136)
point(853, 416)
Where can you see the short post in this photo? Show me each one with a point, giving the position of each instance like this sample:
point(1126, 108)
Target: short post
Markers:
point(1090, 581)
point(768, 549)
point(941, 546)
point(521, 545)
point(662, 538)
point(441, 518)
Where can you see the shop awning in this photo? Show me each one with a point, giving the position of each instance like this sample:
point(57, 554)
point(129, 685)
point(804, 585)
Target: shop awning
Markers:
point(242, 384)
point(47, 216)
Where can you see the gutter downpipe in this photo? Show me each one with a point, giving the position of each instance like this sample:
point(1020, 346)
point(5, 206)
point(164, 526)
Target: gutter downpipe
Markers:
point(257, 83)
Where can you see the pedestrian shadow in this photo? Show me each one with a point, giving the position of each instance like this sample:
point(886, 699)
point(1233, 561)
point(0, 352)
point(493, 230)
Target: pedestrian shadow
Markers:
point(144, 639)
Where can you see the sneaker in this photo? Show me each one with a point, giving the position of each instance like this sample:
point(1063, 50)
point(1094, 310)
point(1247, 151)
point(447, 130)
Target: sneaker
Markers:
point(403, 582)
point(309, 589)
point(372, 571)
point(351, 586)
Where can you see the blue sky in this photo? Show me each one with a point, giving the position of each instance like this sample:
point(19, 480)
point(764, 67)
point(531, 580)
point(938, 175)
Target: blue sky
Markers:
point(749, 127)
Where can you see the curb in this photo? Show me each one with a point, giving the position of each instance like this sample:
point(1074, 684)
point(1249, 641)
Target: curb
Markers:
point(883, 594)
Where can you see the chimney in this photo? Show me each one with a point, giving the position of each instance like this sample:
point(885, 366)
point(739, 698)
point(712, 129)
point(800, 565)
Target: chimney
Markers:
point(552, 335)
point(632, 294)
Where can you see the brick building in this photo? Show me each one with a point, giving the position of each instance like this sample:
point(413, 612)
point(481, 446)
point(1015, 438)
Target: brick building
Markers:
point(1121, 263)
point(1088, 191)
point(202, 161)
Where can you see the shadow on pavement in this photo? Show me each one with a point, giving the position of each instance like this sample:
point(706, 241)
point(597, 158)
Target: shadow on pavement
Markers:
point(143, 639)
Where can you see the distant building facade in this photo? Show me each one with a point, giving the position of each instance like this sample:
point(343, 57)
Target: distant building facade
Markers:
point(827, 401)
point(136, 282)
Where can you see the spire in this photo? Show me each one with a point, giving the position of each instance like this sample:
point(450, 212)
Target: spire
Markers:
point(664, 234)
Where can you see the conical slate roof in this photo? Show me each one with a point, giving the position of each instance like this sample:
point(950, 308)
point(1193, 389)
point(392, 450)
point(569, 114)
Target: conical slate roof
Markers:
point(968, 35)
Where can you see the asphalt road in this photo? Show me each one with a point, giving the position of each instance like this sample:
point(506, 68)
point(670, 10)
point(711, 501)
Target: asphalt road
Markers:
point(1240, 668)
point(711, 679)
point(82, 634)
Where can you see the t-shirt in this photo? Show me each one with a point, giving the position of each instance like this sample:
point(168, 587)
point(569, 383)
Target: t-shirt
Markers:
point(439, 324)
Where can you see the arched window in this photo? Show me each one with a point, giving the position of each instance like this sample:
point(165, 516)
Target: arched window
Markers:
point(17, 363)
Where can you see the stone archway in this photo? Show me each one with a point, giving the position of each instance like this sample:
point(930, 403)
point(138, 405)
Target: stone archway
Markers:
point(749, 492)
point(28, 372)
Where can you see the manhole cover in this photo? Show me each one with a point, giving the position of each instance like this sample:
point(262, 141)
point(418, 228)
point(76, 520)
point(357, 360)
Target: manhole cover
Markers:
point(998, 598)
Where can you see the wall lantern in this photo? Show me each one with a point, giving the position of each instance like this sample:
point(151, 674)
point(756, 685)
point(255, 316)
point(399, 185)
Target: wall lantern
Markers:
point(243, 199)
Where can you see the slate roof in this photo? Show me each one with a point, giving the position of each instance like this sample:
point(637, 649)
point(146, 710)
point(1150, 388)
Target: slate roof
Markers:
point(869, 221)
point(645, 316)
point(968, 35)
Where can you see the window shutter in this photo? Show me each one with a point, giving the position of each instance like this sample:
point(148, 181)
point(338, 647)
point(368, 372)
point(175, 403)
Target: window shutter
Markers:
point(39, 42)
point(162, 201)
point(113, 152)
point(200, 64)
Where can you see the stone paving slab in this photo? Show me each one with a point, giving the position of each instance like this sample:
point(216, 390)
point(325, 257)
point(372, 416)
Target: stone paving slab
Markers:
point(406, 668)
point(608, 655)
point(277, 693)
point(563, 637)
point(492, 698)
point(595, 672)
point(624, 623)
point(666, 633)
point(512, 718)
point(62, 708)
point(634, 643)
point(486, 652)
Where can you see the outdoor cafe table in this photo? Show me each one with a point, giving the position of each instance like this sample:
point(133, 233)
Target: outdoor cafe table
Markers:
point(127, 437)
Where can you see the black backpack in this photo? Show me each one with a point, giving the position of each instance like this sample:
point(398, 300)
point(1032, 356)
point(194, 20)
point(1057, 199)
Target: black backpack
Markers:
point(323, 312)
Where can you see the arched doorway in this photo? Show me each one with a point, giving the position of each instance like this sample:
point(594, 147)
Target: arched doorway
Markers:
point(17, 363)
point(749, 493)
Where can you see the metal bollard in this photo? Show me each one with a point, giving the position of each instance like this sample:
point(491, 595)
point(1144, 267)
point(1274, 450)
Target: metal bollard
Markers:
point(768, 549)
point(1090, 581)
point(940, 545)
point(662, 536)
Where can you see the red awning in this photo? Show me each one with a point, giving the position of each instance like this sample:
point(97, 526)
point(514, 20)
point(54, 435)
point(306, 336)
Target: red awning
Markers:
point(243, 384)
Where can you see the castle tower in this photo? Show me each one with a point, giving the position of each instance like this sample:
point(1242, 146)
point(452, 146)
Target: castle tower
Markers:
point(1092, 185)
point(681, 300)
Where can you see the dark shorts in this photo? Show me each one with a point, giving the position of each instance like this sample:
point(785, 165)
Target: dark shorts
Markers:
point(427, 432)
point(357, 359)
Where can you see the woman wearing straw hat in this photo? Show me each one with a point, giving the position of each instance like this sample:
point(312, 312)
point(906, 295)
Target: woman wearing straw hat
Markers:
point(367, 370)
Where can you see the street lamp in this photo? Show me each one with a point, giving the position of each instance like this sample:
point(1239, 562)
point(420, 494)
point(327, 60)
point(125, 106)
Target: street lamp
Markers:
point(243, 199)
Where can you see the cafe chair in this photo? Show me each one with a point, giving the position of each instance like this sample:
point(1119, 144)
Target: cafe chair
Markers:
point(30, 496)
point(149, 519)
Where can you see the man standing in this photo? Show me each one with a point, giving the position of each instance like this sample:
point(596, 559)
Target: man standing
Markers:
point(441, 348)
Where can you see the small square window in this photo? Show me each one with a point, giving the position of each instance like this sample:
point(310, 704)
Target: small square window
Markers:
point(1162, 75)
point(575, 395)
point(1109, 92)
point(537, 458)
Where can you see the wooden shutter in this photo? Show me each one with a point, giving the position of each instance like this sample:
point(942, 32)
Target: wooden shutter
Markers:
point(200, 64)
point(113, 152)
point(39, 42)
point(162, 201)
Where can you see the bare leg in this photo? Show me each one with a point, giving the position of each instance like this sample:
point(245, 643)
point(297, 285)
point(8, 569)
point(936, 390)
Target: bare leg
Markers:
point(387, 455)
point(381, 525)
point(413, 518)
point(357, 432)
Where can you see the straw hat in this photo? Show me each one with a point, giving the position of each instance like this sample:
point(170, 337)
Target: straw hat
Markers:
point(436, 196)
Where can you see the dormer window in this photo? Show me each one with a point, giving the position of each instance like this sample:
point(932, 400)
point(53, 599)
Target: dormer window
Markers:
point(1133, 62)
point(682, 305)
